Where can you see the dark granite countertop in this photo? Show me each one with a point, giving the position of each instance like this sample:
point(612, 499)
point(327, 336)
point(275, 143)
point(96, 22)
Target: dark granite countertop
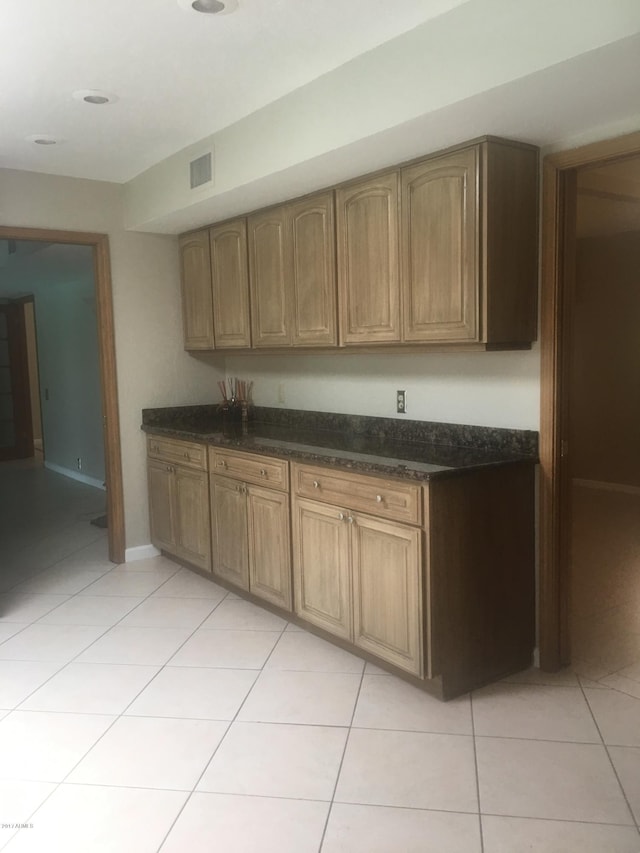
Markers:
point(418, 450)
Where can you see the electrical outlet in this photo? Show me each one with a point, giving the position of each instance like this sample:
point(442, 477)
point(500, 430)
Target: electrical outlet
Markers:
point(401, 402)
point(79, 463)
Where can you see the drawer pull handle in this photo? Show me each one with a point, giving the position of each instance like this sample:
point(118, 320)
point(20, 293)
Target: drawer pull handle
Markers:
point(263, 473)
point(379, 498)
point(316, 484)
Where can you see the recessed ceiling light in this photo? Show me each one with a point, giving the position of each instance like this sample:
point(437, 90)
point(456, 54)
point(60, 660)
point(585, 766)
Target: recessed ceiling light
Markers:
point(209, 7)
point(94, 96)
point(43, 139)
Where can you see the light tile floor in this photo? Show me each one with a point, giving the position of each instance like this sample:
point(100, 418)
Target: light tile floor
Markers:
point(605, 586)
point(145, 709)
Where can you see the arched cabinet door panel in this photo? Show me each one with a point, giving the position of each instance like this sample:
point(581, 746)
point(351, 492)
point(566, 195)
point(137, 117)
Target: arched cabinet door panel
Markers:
point(197, 299)
point(230, 282)
point(270, 277)
point(440, 249)
point(368, 266)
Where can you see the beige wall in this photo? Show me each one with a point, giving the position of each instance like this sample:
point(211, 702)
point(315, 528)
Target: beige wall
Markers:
point(153, 370)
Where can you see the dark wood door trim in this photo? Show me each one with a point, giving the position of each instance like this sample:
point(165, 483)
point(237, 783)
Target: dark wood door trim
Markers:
point(558, 187)
point(109, 382)
point(22, 447)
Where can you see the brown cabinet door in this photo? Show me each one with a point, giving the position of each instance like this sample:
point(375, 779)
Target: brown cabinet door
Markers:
point(269, 545)
point(193, 541)
point(368, 263)
point(230, 281)
point(197, 301)
point(161, 481)
point(270, 278)
point(229, 545)
point(321, 566)
point(313, 292)
point(387, 591)
point(440, 265)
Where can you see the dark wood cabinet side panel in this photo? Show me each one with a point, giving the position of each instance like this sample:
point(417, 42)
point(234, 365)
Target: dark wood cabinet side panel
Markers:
point(510, 211)
point(481, 541)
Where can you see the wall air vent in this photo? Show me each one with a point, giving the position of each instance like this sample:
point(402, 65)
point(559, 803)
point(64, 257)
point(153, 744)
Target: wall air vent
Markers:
point(200, 171)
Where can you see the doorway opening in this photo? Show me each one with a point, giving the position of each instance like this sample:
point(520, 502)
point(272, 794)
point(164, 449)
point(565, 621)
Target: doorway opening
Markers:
point(98, 247)
point(590, 484)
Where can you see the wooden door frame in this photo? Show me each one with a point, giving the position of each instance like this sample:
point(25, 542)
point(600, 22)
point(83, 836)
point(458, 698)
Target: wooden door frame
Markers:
point(554, 575)
point(108, 376)
point(22, 447)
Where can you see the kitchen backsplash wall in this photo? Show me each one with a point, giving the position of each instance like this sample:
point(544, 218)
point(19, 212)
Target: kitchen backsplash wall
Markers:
point(499, 389)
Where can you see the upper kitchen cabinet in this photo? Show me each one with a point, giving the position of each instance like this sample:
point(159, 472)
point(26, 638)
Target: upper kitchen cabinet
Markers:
point(469, 245)
point(230, 283)
point(440, 252)
point(270, 277)
point(368, 260)
point(313, 287)
point(197, 306)
point(439, 249)
point(292, 273)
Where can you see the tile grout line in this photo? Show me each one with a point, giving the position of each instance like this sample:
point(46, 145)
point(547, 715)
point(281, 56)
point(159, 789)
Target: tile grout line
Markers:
point(475, 764)
point(222, 739)
point(344, 752)
point(117, 717)
point(82, 651)
point(611, 762)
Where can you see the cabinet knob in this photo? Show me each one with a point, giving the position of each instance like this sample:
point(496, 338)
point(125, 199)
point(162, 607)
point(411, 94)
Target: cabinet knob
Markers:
point(222, 464)
point(186, 455)
point(244, 490)
point(350, 519)
point(379, 498)
point(316, 484)
point(341, 516)
point(168, 468)
point(263, 473)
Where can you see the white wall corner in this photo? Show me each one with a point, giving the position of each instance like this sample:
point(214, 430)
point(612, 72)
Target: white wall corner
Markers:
point(140, 552)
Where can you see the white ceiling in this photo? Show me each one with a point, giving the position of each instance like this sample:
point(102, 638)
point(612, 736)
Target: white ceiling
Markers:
point(178, 75)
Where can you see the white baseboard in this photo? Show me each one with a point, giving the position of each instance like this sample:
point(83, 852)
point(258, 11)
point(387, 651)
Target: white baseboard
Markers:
point(140, 552)
point(607, 487)
point(75, 475)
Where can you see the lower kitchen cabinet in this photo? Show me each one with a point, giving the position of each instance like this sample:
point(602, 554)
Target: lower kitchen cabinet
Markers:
point(359, 578)
point(387, 591)
point(269, 545)
point(229, 539)
point(433, 579)
point(179, 501)
point(322, 570)
point(358, 560)
point(250, 525)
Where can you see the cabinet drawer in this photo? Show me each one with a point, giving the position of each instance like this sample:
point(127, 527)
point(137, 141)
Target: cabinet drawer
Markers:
point(250, 467)
point(185, 453)
point(377, 496)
